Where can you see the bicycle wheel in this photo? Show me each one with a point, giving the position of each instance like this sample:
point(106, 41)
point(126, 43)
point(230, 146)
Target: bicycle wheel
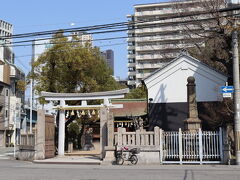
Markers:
point(119, 161)
point(133, 159)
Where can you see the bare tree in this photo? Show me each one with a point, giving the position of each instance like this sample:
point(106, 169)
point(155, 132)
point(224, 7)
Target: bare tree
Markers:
point(205, 27)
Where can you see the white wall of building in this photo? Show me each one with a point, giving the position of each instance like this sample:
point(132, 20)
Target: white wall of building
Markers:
point(169, 84)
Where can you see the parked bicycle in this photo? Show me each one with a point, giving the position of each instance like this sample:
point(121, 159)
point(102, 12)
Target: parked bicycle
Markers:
point(126, 154)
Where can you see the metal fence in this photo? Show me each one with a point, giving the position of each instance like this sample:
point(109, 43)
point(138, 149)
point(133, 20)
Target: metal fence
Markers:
point(192, 147)
point(175, 146)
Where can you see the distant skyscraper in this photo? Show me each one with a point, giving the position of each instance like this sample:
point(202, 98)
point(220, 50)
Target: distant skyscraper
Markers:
point(109, 57)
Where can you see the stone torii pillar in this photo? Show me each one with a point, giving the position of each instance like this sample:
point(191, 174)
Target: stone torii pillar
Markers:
point(193, 122)
point(61, 130)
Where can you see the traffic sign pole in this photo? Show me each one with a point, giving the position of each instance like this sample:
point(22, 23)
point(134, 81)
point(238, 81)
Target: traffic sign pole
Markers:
point(236, 93)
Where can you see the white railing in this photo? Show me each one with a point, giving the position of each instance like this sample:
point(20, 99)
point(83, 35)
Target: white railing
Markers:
point(175, 146)
point(189, 146)
point(138, 138)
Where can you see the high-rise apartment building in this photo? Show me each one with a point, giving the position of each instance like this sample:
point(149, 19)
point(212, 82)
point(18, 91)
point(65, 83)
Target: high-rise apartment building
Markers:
point(108, 56)
point(154, 38)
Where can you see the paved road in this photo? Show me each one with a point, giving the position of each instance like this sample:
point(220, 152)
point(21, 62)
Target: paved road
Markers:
point(17, 170)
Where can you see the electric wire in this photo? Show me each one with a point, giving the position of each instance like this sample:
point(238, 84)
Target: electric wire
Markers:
point(128, 23)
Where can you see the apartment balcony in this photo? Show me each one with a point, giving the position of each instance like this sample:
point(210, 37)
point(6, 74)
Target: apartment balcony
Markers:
point(142, 75)
point(164, 29)
point(131, 31)
point(156, 56)
point(167, 11)
point(131, 73)
point(155, 12)
point(130, 47)
point(167, 38)
point(15, 72)
point(162, 47)
point(131, 64)
point(149, 66)
point(130, 56)
point(130, 39)
point(131, 82)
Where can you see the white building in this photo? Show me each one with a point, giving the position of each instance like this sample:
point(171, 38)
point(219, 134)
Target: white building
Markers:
point(153, 40)
point(84, 38)
point(167, 90)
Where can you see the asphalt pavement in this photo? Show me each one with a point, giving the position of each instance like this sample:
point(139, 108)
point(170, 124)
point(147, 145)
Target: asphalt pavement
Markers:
point(21, 170)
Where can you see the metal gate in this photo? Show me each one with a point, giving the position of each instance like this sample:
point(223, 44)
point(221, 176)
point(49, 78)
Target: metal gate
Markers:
point(192, 147)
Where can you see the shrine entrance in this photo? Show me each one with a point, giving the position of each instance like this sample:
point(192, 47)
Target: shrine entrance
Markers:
point(82, 131)
point(95, 139)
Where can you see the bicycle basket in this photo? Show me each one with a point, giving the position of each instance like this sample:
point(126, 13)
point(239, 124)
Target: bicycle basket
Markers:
point(135, 150)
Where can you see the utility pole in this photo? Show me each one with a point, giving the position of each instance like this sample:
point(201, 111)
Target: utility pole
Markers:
point(31, 85)
point(236, 92)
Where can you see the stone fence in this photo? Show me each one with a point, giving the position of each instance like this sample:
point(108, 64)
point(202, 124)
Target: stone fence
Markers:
point(27, 141)
point(26, 147)
point(148, 141)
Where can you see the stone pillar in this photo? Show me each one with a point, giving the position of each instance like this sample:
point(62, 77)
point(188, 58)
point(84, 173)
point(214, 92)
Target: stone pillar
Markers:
point(103, 130)
point(40, 136)
point(109, 149)
point(193, 122)
point(110, 129)
point(61, 130)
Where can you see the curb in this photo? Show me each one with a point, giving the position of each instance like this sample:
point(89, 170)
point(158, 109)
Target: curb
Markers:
point(67, 162)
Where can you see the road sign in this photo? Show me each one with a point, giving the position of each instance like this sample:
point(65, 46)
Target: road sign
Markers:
point(227, 95)
point(227, 89)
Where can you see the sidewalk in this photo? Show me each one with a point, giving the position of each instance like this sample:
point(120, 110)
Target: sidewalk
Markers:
point(7, 152)
point(83, 160)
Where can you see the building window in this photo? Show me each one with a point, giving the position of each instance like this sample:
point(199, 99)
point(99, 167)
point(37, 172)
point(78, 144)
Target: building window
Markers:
point(6, 113)
point(6, 92)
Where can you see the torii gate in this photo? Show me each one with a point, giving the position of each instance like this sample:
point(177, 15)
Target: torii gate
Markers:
point(83, 97)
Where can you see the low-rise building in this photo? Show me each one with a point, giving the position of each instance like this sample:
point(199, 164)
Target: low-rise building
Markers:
point(167, 90)
point(11, 97)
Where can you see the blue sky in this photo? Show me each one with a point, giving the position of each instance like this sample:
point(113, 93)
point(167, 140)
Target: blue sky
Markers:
point(34, 15)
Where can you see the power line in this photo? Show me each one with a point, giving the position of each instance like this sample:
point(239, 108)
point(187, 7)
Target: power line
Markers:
point(111, 31)
point(129, 23)
point(28, 55)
